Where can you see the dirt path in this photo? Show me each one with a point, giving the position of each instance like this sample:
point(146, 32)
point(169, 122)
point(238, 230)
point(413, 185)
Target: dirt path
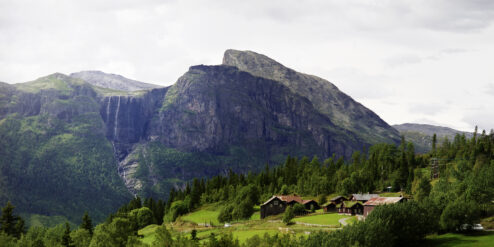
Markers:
point(343, 221)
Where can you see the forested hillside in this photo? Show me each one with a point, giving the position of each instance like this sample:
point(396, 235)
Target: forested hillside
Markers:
point(462, 194)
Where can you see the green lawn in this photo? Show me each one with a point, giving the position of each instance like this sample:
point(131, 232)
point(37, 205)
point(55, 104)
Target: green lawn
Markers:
point(321, 219)
point(244, 235)
point(202, 216)
point(480, 239)
point(148, 232)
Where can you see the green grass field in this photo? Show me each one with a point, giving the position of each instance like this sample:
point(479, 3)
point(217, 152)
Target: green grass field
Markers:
point(202, 216)
point(148, 233)
point(322, 219)
point(481, 239)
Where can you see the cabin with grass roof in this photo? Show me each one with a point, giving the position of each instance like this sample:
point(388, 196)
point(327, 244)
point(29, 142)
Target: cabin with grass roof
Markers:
point(278, 203)
point(351, 208)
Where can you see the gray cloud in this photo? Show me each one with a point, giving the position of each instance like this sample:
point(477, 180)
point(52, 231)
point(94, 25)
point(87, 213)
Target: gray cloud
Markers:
point(489, 89)
point(430, 109)
point(484, 119)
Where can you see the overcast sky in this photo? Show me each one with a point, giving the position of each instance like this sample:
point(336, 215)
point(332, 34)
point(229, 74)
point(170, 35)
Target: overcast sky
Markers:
point(421, 61)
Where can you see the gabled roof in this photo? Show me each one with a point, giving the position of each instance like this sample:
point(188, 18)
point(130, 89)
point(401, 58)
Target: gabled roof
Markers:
point(364, 197)
point(337, 197)
point(307, 201)
point(383, 200)
point(270, 199)
point(290, 198)
point(350, 204)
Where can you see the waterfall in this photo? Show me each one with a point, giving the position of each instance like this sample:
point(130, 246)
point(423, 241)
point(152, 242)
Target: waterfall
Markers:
point(116, 119)
point(108, 111)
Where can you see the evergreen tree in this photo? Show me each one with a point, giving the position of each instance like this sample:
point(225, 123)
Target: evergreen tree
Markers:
point(87, 223)
point(11, 224)
point(19, 228)
point(66, 239)
point(434, 142)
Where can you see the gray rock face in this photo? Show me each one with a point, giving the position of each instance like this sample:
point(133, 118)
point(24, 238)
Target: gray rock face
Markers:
point(112, 81)
point(127, 118)
point(326, 97)
point(214, 107)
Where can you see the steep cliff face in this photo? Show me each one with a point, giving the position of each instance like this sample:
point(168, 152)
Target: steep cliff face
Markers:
point(213, 107)
point(326, 97)
point(127, 119)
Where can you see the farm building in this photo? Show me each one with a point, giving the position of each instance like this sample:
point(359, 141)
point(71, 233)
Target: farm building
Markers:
point(362, 197)
point(330, 207)
point(351, 207)
point(273, 206)
point(376, 201)
point(277, 204)
point(338, 199)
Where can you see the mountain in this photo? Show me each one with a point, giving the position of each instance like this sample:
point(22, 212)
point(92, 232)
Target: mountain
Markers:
point(112, 81)
point(85, 142)
point(421, 134)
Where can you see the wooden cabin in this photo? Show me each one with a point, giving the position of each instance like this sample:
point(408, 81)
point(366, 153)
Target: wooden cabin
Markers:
point(362, 197)
point(329, 207)
point(273, 206)
point(338, 199)
point(351, 208)
point(277, 204)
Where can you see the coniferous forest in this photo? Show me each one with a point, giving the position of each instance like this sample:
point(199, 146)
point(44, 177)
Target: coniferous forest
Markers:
point(449, 189)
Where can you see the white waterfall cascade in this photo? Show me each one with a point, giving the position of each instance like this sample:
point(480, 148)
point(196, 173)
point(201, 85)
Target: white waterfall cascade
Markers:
point(115, 137)
point(122, 165)
point(108, 110)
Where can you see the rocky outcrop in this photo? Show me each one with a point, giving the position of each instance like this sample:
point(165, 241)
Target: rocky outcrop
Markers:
point(127, 118)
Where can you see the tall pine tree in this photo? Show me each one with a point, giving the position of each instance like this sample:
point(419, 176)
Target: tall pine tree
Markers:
point(87, 223)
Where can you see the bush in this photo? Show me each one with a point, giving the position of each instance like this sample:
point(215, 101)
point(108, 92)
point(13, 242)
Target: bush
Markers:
point(459, 213)
point(288, 216)
point(407, 222)
point(299, 209)
point(226, 214)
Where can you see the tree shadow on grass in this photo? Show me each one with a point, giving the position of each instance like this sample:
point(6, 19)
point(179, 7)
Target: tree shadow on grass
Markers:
point(456, 239)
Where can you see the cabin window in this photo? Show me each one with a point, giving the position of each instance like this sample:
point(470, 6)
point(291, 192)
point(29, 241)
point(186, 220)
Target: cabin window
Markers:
point(270, 205)
point(275, 203)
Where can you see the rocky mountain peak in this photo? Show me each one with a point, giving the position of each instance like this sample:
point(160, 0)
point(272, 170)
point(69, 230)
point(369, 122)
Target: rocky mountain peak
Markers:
point(112, 81)
point(326, 97)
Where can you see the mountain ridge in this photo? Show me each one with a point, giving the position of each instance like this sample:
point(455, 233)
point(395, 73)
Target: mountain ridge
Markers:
point(421, 134)
point(112, 81)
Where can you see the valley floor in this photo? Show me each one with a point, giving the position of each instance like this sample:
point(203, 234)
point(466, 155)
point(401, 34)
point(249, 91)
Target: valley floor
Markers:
point(205, 222)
